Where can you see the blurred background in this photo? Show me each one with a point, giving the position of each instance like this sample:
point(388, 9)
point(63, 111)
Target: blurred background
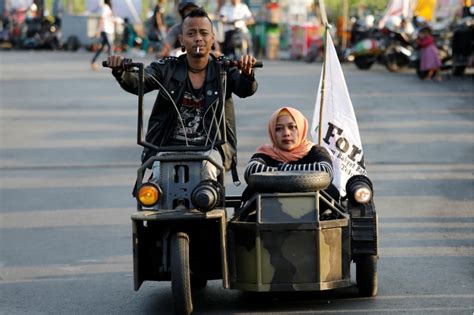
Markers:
point(364, 31)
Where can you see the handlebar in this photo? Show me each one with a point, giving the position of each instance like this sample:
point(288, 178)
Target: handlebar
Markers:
point(128, 64)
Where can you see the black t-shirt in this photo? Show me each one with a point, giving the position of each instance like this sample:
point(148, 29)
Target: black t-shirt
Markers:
point(190, 126)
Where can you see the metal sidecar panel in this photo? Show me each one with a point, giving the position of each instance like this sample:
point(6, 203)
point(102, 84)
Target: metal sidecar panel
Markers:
point(151, 230)
point(287, 248)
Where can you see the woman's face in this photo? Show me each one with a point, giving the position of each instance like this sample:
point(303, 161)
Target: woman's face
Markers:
point(286, 133)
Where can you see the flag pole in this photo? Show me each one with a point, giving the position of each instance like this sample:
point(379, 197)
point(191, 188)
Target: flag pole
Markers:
point(324, 19)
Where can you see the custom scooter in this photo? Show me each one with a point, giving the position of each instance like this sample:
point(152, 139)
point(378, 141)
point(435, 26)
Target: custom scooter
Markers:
point(291, 235)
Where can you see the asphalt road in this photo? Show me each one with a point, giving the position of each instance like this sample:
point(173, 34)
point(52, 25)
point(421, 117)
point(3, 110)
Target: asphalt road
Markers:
point(68, 160)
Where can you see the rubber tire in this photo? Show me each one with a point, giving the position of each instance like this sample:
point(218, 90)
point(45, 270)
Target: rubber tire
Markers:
point(293, 181)
point(459, 70)
point(180, 273)
point(363, 63)
point(72, 43)
point(391, 59)
point(421, 74)
point(366, 275)
point(198, 283)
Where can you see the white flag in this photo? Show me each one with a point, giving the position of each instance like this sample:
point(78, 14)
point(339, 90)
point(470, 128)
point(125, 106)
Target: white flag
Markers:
point(340, 133)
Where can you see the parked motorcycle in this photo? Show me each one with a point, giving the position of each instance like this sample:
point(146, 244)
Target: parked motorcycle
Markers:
point(389, 47)
point(281, 239)
point(463, 42)
point(40, 34)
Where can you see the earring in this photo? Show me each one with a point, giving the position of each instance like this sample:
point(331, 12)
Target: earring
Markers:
point(183, 49)
point(213, 47)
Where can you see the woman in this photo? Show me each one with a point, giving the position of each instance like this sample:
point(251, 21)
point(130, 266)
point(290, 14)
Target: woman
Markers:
point(105, 32)
point(289, 150)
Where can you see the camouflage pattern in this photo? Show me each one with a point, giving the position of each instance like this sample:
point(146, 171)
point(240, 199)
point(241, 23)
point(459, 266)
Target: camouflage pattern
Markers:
point(288, 248)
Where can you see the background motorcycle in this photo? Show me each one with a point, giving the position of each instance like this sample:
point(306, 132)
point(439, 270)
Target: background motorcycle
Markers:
point(462, 42)
point(40, 34)
point(390, 47)
point(236, 42)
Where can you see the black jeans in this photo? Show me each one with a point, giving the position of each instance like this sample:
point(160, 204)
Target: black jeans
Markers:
point(104, 41)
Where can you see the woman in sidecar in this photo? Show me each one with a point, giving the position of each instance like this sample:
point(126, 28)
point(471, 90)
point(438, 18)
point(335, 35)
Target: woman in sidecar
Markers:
point(293, 233)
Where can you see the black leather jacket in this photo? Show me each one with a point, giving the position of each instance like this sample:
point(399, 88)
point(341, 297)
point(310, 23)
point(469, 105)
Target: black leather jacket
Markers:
point(171, 72)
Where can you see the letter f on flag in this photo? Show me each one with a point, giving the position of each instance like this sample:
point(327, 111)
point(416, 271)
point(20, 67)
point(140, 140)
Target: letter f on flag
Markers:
point(334, 124)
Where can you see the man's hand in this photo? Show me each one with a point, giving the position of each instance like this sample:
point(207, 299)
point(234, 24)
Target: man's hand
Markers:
point(246, 63)
point(115, 62)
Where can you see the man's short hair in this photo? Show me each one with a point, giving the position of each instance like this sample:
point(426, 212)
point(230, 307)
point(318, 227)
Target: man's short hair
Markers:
point(199, 12)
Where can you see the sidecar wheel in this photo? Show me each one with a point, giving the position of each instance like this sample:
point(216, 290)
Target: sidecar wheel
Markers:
point(293, 181)
point(366, 275)
point(180, 274)
point(198, 283)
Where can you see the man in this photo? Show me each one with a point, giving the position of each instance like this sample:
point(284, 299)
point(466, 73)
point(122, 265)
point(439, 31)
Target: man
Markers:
point(192, 83)
point(236, 15)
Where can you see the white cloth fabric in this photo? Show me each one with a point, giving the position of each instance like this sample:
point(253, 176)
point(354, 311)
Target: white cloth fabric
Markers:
point(340, 132)
point(240, 13)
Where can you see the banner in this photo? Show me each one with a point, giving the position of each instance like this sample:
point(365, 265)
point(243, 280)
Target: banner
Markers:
point(340, 132)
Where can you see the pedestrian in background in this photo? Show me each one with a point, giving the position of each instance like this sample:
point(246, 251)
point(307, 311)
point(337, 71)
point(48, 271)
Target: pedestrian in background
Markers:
point(105, 31)
point(156, 27)
point(429, 60)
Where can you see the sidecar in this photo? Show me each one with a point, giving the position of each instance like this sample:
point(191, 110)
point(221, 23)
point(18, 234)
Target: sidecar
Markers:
point(294, 236)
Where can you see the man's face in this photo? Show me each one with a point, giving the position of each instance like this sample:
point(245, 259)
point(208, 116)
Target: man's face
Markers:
point(197, 36)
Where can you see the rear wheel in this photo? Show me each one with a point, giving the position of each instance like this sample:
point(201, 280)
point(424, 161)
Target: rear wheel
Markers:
point(394, 60)
point(366, 275)
point(180, 273)
point(364, 62)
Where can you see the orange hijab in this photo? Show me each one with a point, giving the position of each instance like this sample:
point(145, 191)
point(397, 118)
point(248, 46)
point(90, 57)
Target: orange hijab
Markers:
point(303, 145)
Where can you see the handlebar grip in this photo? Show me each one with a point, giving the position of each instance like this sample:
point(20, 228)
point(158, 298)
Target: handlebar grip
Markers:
point(236, 63)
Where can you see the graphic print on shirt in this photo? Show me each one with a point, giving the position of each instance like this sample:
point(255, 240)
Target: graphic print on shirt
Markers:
point(191, 111)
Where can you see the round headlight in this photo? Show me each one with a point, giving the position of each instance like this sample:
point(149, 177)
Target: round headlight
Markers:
point(148, 194)
point(362, 194)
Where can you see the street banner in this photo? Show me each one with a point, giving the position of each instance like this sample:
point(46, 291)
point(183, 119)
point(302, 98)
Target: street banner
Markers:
point(335, 115)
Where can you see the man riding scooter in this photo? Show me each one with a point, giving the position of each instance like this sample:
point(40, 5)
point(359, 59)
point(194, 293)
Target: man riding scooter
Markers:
point(235, 17)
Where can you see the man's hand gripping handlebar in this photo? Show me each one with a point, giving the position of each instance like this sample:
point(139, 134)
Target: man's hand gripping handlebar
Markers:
point(123, 64)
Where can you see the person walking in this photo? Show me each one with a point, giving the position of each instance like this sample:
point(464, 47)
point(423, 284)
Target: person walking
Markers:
point(429, 60)
point(105, 32)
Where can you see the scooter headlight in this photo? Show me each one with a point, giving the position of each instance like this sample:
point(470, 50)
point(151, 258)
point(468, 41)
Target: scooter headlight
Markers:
point(362, 194)
point(148, 194)
point(359, 189)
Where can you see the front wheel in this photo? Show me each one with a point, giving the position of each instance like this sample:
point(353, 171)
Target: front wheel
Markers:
point(180, 273)
point(366, 275)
